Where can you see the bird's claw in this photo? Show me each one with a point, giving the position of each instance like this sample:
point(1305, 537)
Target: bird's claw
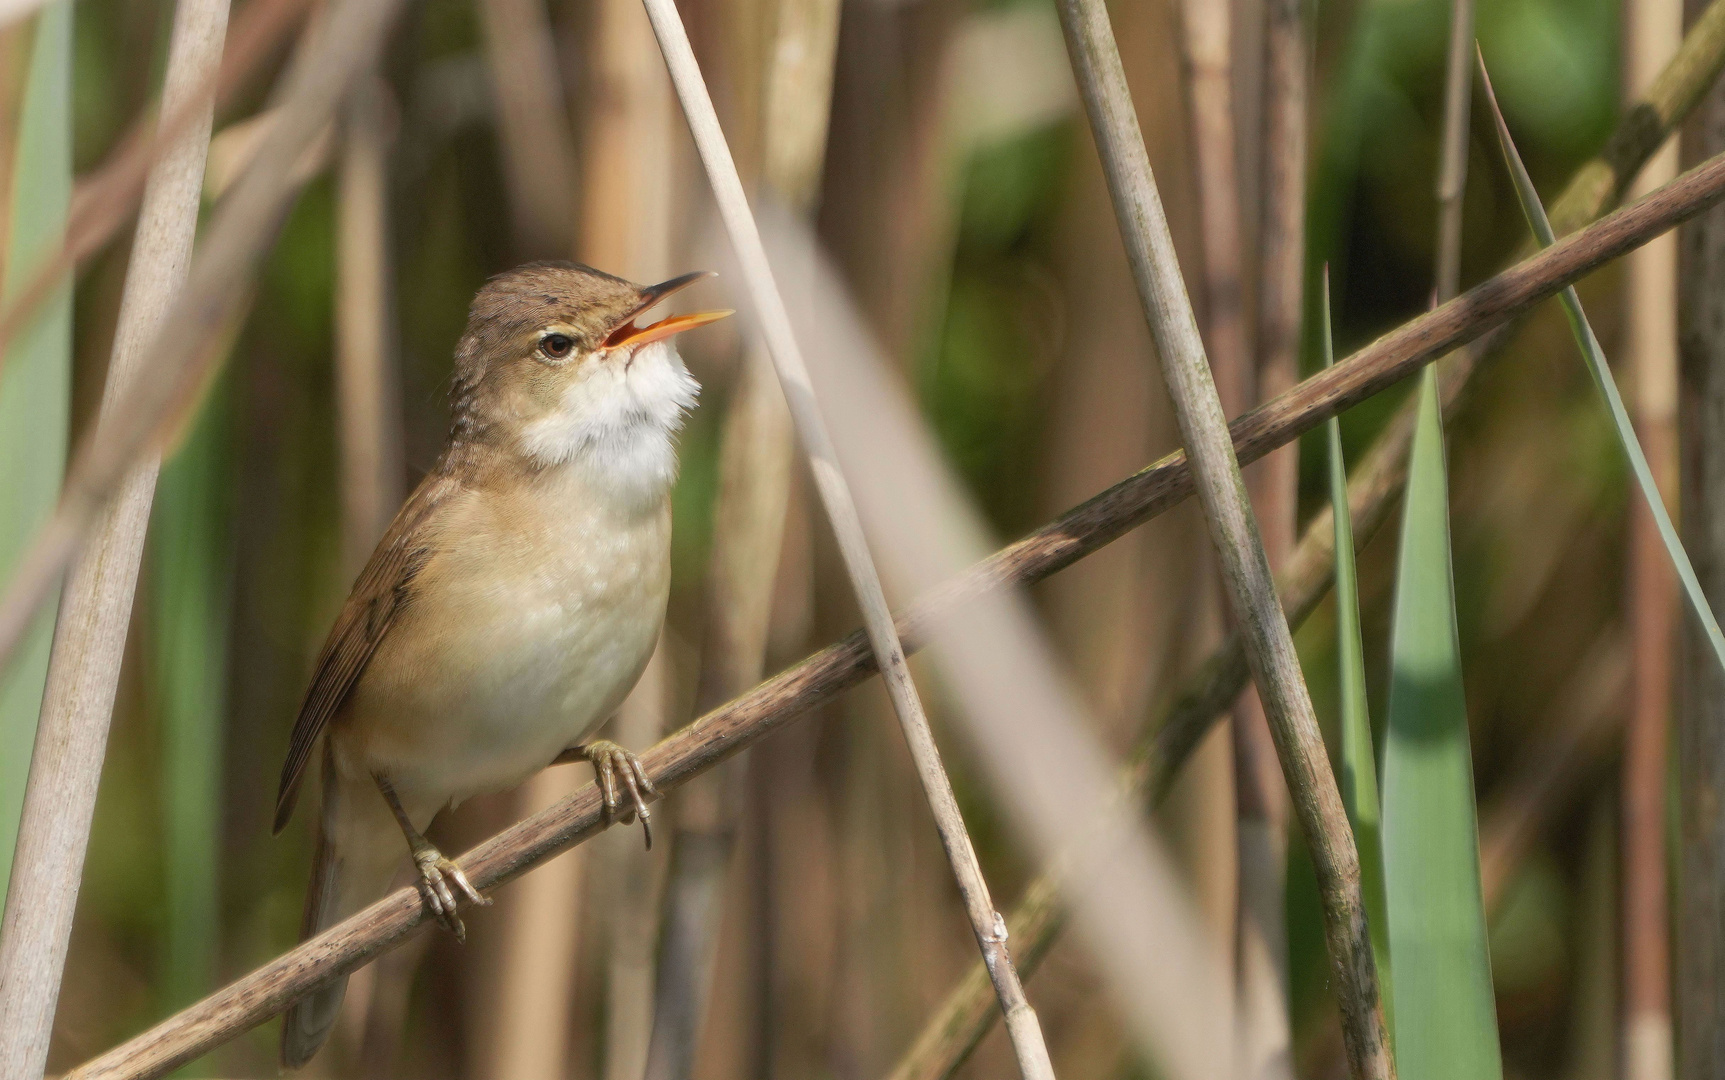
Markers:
point(618, 768)
point(444, 887)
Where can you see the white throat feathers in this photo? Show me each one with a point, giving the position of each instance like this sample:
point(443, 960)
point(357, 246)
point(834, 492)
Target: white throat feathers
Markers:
point(618, 421)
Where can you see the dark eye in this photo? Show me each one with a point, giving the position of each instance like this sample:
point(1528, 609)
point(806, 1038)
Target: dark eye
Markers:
point(556, 346)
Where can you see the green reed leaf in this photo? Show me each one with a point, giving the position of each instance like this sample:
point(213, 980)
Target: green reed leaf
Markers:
point(1359, 761)
point(1445, 1010)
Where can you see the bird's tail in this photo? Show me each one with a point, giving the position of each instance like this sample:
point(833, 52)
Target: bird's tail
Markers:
point(359, 849)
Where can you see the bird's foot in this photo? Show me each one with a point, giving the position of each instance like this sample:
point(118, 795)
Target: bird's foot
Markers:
point(444, 887)
point(619, 768)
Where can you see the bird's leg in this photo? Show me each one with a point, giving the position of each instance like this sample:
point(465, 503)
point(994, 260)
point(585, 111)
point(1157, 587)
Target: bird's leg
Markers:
point(616, 767)
point(436, 873)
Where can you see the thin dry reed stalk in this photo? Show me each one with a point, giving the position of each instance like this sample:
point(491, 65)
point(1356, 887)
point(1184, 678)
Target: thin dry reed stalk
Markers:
point(95, 608)
point(1287, 59)
point(1452, 162)
point(1245, 569)
point(631, 877)
point(1699, 978)
point(1654, 31)
point(532, 123)
point(535, 977)
point(368, 410)
point(627, 152)
point(811, 426)
point(1265, 1035)
point(373, 471)
point(728, 730)
point(1208, 47)
point(755, 462)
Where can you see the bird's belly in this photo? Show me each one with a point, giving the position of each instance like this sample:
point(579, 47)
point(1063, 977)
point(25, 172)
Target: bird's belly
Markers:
point(494, 672)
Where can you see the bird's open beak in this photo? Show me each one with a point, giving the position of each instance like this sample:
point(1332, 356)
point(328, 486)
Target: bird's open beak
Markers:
point(630, 334)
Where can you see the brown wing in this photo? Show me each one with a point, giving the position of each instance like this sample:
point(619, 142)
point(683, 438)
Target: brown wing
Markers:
point(382, 590)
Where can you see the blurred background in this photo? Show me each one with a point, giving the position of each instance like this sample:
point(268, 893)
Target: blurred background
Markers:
point(957, 188)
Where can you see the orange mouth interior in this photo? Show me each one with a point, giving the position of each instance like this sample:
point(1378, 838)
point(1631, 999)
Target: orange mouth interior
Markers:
point(630, 334)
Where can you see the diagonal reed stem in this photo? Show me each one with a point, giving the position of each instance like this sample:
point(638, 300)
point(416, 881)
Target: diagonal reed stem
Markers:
point(1257, 612)
point(775, 324)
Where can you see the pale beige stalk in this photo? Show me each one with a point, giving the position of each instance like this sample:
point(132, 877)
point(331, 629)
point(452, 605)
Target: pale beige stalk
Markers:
point(1208, 39)
point(368, 411)
point(1654, 32)
point(96, 606)
point(627, 881)
point(373, 473)
point(629, 141)
point(1699, 976)
point(1265, 1036)
point(532, 124)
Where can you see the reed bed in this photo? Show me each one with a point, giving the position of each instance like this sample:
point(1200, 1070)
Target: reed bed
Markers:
point(1024, 249)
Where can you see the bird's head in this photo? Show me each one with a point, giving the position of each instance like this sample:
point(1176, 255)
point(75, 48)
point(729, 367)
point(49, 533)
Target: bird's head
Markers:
point(555, 368)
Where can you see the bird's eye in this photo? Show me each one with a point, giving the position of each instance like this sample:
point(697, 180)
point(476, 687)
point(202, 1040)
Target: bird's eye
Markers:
point(556, 346)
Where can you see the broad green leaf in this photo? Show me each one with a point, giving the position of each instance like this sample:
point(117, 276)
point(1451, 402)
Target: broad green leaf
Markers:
point(1602, 378)
point(1359, 762)
point(191, 568)
point(1445, 1011)
point(35, 384)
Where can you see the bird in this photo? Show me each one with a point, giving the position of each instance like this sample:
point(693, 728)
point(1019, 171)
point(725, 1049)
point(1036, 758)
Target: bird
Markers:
point(512, 603)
